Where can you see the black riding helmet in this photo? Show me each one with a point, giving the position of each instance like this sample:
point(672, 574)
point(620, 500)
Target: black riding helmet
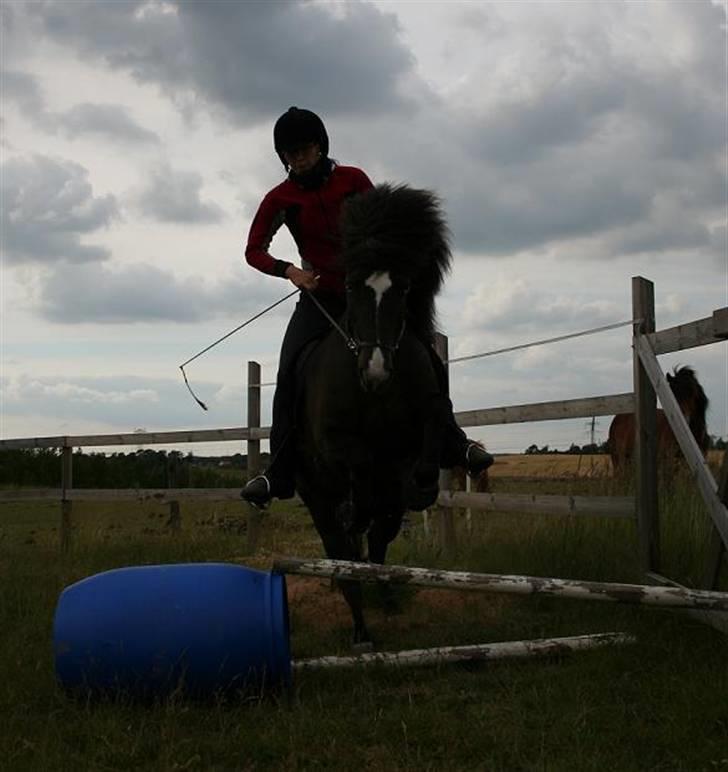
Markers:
point(297, 127)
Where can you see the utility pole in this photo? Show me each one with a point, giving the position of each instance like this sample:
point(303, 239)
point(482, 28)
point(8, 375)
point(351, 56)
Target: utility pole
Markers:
point(592, 427)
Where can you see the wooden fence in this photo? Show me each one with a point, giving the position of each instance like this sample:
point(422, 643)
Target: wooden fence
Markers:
point(649, 383)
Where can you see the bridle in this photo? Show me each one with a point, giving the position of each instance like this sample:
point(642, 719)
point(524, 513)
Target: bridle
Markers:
point(354, 344)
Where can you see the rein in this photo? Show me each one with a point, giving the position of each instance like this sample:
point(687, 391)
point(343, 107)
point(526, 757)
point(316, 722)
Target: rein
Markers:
point(353, 344)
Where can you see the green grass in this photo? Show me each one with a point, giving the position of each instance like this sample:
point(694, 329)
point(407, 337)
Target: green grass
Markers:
point(659, 705)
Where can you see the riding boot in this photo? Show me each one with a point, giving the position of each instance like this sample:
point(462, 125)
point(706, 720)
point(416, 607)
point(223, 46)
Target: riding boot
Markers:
point(457, 448)
point(278, 480)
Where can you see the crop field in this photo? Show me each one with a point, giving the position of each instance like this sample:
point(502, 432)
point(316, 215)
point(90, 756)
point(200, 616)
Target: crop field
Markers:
point(659, 704)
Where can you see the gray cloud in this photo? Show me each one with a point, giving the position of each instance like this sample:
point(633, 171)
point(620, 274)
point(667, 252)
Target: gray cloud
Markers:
point(144, 293)
point(124, 401)
point(22, 88)
point(499, 306)
point(522, 211)
point(174, 196)
point(110, 121)
point(567, 114)
point(107, 120)
point(586, 137)
point(719, 246)
point(46, 206)
point(251, 60)
point(586, 134)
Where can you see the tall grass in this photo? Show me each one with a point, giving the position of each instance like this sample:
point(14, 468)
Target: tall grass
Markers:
point(658, 705)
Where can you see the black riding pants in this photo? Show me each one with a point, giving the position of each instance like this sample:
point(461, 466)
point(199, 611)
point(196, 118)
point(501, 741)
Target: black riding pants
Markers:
point(307, 323)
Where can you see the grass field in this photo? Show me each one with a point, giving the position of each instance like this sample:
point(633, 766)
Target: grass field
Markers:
point(661, 704)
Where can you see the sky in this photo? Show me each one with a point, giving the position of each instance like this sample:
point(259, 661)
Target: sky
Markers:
point(574, 145)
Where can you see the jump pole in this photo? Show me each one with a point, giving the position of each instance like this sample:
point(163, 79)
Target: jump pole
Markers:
point(542, 647)
point(666, 597)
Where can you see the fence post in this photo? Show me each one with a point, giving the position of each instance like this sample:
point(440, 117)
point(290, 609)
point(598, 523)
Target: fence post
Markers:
point(645, 401)
point(174, 521)
point(254, 515)
point(66, 503)
point(716, 548)
point(447, 516)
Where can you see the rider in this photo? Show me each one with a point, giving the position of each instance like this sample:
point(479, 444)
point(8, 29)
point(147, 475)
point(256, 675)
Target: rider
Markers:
point(308, 202)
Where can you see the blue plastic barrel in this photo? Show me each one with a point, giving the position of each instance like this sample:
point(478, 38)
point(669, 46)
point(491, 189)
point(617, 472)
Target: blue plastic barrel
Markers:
point(206, 627)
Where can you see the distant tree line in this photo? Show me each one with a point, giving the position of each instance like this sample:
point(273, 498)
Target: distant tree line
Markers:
point(579, 450)
point(716, 443)
point(41, 467)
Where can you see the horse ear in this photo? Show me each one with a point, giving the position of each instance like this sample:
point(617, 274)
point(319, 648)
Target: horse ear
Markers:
point(670, 378)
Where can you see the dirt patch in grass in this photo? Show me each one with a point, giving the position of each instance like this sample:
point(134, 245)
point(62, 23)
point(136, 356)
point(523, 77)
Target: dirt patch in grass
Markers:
point(314, 603)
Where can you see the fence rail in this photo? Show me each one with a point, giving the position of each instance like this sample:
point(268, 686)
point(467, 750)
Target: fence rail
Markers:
point(550, 504)
point(162, 495)
point(138, 438)
point(610, 404)
point(536, 411)
point(702, 332)
point(649, 382)
point(590, 506)
point(613, 592)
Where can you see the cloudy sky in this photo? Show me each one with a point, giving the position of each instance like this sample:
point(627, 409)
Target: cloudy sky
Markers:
point(574, 144)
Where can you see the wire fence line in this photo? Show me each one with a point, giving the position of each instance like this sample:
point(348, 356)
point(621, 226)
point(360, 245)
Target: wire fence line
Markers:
point(533, 343)
point(544, 341)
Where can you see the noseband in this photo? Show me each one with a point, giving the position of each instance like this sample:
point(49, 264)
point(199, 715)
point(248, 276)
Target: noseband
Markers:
point(360, 344)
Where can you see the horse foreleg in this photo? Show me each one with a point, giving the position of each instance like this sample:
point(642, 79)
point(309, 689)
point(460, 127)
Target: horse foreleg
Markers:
point(382, 532)
point(339, 545)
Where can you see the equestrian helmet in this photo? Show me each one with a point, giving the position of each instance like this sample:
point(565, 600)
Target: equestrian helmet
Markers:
point(296, 127)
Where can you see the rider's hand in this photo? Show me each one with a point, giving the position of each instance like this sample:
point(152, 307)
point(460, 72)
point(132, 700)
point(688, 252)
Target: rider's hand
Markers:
point(302, 279)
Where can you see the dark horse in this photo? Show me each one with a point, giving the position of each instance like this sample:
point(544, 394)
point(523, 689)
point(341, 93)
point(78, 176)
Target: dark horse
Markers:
point(693, 403)
point(368, 437)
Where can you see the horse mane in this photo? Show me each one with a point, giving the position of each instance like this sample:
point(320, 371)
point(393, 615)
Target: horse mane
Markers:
point(685, 386)
point(402, 229)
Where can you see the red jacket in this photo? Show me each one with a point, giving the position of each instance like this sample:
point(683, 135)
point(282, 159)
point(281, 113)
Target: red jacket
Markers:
point(312, 217)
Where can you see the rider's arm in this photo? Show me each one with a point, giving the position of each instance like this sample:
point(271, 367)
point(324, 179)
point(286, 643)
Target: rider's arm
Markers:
point(268, 219)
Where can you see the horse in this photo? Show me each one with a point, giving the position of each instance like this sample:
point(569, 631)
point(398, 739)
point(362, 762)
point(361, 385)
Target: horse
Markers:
point(479, 484)
point(368, 437)
point(459, 483)
point(693, 403)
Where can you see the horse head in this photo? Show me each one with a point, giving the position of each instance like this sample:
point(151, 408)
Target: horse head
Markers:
point(376, 318)
point(395, 254)
point(692, 400)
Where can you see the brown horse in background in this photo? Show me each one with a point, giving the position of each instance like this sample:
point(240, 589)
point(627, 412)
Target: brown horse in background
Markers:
point(479, 484)
point(458, 482)
point(693, 403)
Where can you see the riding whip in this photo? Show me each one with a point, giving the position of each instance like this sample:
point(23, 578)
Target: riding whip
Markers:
point(220, 340)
